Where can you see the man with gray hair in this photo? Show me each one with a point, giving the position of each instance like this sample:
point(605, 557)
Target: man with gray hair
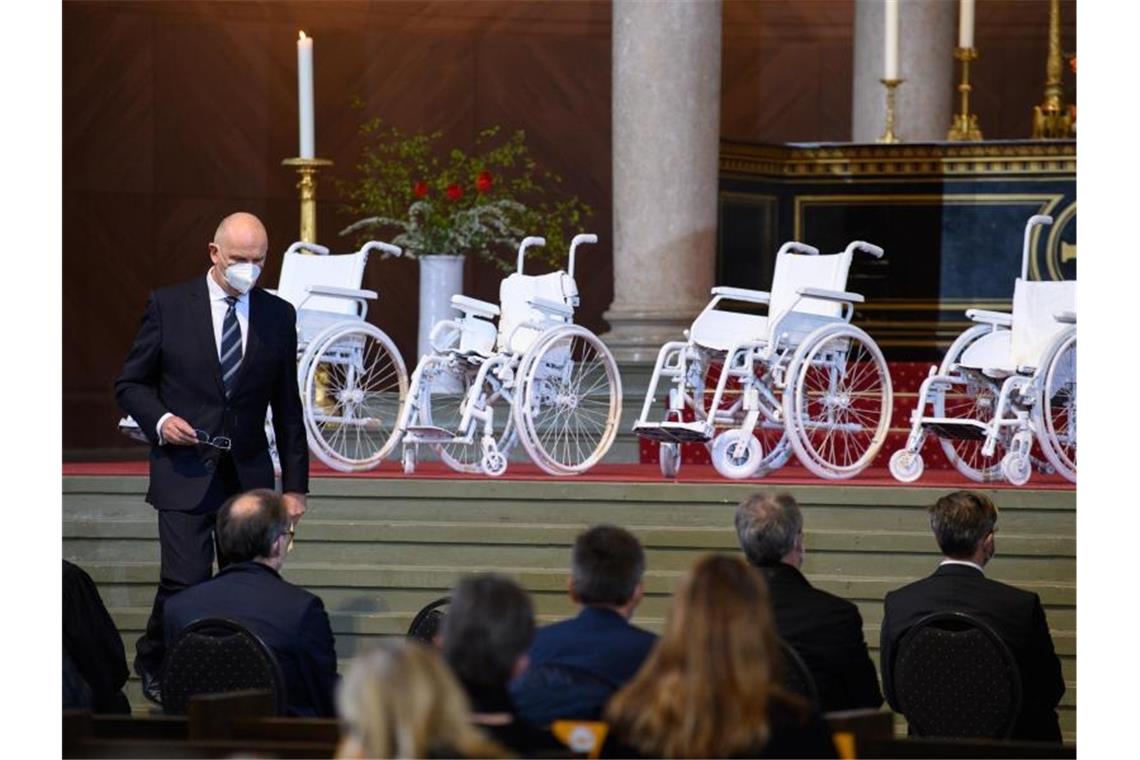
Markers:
point(825, 630)
point(964, 524)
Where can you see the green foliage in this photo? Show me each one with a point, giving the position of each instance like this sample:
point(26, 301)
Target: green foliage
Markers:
point(426, 200)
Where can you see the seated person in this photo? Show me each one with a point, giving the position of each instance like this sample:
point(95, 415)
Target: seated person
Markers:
point(709, 687)
point(486, 634)
point(94, 660)
point(401, 700)
point(576, 664)
point(824, 630)
point(253, 534)
point(964, 523)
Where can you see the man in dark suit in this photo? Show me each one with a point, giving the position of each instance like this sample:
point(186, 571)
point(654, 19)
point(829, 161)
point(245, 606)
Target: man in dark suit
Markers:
point(253, 537)
point(577, 664)
point(825, 630)
point(964, 523)
point(212, 355)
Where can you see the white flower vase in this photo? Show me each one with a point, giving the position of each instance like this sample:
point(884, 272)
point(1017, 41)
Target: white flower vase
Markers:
point(441, 277)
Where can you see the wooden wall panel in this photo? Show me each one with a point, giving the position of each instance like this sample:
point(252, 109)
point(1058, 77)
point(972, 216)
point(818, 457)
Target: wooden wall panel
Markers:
point(176, 113)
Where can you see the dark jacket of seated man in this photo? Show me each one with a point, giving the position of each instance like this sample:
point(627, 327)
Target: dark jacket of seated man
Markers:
point(964, 523)
point(824, 630)
point(575, 665)
point(253, 536)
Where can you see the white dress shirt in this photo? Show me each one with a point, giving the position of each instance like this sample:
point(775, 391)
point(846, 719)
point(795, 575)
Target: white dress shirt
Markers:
point(966, 562)
point(218, 308)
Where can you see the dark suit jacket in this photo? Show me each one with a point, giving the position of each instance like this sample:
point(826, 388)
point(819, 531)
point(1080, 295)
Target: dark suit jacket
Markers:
point(596, 653)
point(173, 367)
point(827, 632)
point(1015, 615)
point(290, 620)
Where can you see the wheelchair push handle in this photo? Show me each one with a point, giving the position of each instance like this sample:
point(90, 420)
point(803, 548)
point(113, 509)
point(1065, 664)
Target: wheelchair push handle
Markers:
point(1034, 220)
point(386, 249)
point(865, 247)
point(527, 242)
point(300, 245)
point(793, 246)
point(578, 240)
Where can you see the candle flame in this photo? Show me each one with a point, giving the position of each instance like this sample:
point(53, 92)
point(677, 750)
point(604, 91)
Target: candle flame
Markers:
point(302, 37)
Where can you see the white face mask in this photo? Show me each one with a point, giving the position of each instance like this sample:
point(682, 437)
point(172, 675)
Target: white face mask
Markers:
point(241, 277)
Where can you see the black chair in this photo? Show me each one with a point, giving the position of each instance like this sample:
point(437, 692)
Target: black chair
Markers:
point(215, 656)
point(429, 620)
point(796, 677)
point(953, 676)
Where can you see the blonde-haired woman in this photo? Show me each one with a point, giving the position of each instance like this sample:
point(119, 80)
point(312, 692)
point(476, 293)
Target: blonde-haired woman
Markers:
point(400, 700)
point(708, 688)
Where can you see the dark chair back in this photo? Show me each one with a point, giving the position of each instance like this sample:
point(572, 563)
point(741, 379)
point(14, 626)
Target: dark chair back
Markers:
point(429, 620)
point(954, 677)
point(796, 676)
point(215, 656)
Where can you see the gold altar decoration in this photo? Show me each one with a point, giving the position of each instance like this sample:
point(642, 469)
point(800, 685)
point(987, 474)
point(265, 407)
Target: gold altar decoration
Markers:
point(307, 168)
point(1052, 120)
point(964, 127)
point(889, 135)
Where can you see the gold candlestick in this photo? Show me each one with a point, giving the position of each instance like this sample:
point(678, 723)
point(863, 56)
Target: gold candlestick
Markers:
point(307, 168)
point(965, 124)
point(1052, 120)
point(889, 135)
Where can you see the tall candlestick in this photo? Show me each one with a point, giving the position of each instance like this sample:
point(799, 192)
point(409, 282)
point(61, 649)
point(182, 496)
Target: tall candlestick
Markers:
point(305, 94)
point(965, 23)
point(891, 53)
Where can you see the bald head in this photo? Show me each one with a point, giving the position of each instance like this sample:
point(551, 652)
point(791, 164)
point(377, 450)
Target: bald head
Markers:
point(249, 525)
point(241, 230)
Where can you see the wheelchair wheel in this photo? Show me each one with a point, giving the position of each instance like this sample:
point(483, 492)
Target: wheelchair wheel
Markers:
point(735, 454)
point(568, 400)
point(669, 458)
point(440, 405)
point(976, 400)
point(354, 384)
point(837, 406)
point(1055, 410)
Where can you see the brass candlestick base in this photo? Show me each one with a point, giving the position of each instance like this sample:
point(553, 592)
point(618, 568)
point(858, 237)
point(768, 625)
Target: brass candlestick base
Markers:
point(889, 135)
point(307, 168)
point(965, 124)
point(1052, 120)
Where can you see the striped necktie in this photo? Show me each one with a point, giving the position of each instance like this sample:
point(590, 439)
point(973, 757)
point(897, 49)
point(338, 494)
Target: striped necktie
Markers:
point(231, 346)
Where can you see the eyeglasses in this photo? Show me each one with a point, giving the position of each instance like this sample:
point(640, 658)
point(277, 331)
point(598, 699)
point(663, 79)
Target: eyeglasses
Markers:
point(292, 538)
point(218, 442)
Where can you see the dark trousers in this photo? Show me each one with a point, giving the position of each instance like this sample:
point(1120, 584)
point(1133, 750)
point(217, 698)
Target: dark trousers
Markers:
point(186, 543)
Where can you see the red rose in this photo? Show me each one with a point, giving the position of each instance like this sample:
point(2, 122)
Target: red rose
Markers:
point(454, 192)
point(483, 181)
point(420, 189)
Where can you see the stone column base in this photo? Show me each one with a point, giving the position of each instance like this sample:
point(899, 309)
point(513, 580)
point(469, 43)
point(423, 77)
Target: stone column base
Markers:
point(636, 336)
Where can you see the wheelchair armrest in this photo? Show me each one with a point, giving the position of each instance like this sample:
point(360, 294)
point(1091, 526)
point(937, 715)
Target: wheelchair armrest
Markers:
point(995, 318)
point(743, 294)
point(552, 307)
point(469, 305)
point(355, 295)
point(1066, 317)
point(823, 294)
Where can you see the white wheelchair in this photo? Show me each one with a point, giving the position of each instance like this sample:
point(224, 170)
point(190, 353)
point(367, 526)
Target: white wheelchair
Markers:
point(1003, 382)
point(351, 375)
point(559, 380)
point(799, 379)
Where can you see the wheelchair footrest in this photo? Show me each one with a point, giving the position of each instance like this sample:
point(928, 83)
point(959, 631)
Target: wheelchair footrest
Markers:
point(673, 432)
point(966, 430)
point(428, 434)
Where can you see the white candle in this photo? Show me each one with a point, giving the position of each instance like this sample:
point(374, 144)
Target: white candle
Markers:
point(891, 54)
point(966, 23)
point(305, 94)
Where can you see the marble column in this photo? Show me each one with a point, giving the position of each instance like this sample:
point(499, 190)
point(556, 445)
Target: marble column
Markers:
point(928, 30)
point(666, 136)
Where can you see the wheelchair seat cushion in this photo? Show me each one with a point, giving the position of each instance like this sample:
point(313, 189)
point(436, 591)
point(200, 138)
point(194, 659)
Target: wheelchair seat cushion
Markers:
point(721, 330)
point(515, 294)
point(1034, 326)
point(990, 354)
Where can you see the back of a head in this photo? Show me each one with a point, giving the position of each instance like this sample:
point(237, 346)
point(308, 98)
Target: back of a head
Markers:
point(716, 658)
point(249, 523)
point(767, 527)
point(401, 700)
point(606, 565)
point(489, 625)
point(960, 521)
